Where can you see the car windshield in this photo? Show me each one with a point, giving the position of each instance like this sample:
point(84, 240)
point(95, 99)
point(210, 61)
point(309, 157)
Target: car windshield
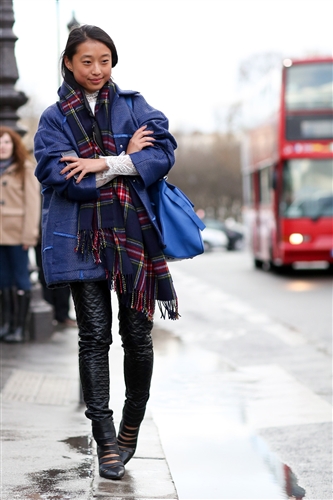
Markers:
point(214, 223)
point(307, 189)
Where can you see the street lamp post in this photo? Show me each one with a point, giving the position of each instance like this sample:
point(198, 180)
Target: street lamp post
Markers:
point(73, 23)
point(10, 98)
point(58, 41)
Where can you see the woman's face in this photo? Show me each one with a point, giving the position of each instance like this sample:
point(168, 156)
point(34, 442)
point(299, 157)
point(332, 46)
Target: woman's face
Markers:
point(6, 146)
point(91, 65)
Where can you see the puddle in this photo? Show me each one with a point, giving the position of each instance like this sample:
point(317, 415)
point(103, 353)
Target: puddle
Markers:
point(53, 484)
point(48, 484)
point(214, 456)
point(80, 444)
point(212, 450)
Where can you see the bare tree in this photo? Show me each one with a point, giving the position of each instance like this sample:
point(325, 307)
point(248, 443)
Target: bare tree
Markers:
point(208, 171)
point(253, 68)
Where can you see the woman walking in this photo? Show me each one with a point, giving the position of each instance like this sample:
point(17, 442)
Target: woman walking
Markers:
point(98, 149)
point(19, 228)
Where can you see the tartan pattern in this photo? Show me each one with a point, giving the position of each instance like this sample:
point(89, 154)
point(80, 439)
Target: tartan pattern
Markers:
point(115, 229)
point(73, 107)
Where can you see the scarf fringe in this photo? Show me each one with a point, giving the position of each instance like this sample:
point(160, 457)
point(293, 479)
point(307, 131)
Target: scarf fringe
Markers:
point(138, 301)
point(169, 308)
point(120, 283)
point(91, 243)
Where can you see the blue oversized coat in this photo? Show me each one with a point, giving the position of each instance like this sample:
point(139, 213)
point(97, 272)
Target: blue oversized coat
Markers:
point(61, 197)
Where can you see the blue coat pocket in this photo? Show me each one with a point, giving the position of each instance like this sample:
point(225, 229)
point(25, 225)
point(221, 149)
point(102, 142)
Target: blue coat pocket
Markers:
point(64, 257)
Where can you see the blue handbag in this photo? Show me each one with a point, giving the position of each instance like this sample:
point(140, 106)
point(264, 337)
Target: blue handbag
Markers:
point(179, 224)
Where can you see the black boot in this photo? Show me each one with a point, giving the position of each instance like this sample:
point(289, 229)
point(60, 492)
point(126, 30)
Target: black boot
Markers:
point(23, 302)
point(135, 330)
point(93, 311)
point(110, 464)
point(6, 312)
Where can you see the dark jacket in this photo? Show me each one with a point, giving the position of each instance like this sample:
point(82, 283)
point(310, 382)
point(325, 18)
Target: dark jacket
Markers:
point(61, 197)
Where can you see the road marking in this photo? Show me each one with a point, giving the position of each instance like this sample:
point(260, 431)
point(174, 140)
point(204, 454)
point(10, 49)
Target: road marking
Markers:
point(274, 398)
point(206, 310)
point(257, 396)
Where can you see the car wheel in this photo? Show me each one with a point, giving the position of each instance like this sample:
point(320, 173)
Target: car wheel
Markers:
point(257, 263)
point(239, 245)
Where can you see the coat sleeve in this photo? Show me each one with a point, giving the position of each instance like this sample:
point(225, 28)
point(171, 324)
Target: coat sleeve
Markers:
point(52, 138)
point(32, 201)
point(153, 163)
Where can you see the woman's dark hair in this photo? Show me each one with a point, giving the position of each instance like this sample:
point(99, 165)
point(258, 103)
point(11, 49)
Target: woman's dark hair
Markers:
point(80, 35)
point(20, 152)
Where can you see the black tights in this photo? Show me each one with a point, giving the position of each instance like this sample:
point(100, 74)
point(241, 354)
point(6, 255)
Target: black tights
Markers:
point(94, 318)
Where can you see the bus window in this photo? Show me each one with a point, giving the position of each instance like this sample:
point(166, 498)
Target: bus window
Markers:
point(265, 185)
point(304, 127)
point(309, 86)
point(307, 188)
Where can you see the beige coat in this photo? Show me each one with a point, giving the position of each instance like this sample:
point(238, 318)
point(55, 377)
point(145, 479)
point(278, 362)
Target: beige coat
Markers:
point(19, 207)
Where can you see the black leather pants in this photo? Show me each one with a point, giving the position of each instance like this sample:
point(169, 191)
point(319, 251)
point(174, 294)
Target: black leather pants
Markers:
point(94, 318)
point(135, 331)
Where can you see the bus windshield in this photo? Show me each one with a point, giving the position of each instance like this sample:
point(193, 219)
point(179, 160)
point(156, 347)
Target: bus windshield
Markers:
point(307, 189)
point(309, 86)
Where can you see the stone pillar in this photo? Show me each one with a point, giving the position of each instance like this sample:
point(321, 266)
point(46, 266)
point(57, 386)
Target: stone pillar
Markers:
point(10, 98)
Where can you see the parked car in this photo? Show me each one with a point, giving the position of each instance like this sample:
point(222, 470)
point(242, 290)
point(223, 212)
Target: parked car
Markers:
point(214, 238)
point(235, 239)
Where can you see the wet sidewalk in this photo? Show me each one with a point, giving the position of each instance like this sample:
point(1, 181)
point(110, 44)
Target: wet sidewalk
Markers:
point(47, 448)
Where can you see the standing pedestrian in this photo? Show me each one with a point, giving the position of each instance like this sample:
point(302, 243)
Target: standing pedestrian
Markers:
point(98, 150)
point(19, 227)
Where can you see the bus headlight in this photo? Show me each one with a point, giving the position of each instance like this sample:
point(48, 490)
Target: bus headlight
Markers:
point(296, 238)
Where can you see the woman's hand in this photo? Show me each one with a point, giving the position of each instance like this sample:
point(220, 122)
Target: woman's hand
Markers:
point(82, 166)
point(139, 140)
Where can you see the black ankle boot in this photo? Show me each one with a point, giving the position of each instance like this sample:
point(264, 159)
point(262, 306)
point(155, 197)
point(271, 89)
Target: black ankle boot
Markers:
point(127, 441)
point(110, 464)
point(23, 302)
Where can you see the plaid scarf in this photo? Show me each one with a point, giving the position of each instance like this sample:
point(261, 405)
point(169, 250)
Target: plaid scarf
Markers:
point(115, 228)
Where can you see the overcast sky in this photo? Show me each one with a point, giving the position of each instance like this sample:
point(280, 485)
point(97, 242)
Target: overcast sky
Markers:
point(182, 55)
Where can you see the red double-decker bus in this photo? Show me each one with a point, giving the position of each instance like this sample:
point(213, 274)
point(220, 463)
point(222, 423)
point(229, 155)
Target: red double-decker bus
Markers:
point(287, 165)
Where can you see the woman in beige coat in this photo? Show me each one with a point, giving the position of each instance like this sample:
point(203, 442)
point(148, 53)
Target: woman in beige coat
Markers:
point(19, 230)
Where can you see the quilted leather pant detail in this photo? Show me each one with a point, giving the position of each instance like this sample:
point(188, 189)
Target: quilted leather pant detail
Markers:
point(92, 302)
point(135, 331)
